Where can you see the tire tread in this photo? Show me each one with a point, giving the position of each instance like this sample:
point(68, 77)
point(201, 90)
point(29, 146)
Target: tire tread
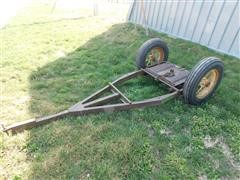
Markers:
point(194, 77)
point(146, 47)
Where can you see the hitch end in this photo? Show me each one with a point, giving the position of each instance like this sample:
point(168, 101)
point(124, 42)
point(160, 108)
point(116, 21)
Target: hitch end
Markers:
point(28, 124)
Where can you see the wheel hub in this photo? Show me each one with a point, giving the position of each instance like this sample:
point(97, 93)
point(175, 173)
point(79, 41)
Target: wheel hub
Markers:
point(155, 56)
point(207, 84)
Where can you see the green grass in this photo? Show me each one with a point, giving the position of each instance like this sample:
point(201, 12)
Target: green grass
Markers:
point(46, 68)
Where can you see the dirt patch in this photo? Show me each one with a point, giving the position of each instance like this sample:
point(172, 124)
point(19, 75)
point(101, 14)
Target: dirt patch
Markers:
point(229, 156)
point(151, 132)
point(202, 177)
point(165, 132)
point(212, 142)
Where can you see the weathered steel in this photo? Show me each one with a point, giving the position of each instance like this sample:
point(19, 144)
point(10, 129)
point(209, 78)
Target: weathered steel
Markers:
point(119, 92)
point(167, 73)
point(161, 80)
point(122, 106)
point(102, 100)
point(94, 95)
point(127, 77)
point(19, 126)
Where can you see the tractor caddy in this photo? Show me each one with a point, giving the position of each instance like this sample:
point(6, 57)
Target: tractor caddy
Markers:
point(196, 86)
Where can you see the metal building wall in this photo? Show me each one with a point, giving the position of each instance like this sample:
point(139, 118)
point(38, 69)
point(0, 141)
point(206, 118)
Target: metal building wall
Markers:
point(212, 23)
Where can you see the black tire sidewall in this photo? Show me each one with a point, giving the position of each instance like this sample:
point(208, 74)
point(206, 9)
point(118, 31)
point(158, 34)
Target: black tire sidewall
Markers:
point(200, 72)
point(146, 47)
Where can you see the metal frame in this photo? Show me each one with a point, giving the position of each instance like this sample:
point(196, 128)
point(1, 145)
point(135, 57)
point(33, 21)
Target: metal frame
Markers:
point(95, 103)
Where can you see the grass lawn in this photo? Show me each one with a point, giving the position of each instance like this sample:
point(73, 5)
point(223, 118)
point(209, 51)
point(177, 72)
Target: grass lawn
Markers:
point(47, 67)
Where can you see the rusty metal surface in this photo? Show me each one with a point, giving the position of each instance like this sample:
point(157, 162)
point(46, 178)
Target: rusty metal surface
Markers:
point(116, 90)
point(122, 106)
point(19, 126)
point(168, 72)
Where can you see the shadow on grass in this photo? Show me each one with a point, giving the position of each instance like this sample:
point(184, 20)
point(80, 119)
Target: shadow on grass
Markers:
point(101, 146)
point(119, 145)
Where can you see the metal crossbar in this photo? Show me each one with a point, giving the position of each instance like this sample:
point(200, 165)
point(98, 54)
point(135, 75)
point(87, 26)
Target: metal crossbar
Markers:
point(95, 103)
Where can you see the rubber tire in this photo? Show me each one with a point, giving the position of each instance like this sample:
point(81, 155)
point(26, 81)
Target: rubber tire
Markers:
point(146, 47)
point(197, 73)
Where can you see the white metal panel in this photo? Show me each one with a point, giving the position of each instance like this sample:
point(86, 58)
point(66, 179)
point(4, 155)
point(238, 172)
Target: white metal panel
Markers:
point(186, 18)
point(235, 50)
point(139, 14)
point(198, 24)
point(172, 16)
point(192, 19)
point(214, 23)
point(149, 11)
point(221, 24)
point(212, 20)
point(203, 20)
point(161, 15)
point(178, 17)
point(166, 15)
point(230, 31)
point(156, 14)
point(133, 14)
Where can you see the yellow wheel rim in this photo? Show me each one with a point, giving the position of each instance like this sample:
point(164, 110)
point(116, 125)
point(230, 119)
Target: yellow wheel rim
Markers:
point(155, 56)
point(207, 84)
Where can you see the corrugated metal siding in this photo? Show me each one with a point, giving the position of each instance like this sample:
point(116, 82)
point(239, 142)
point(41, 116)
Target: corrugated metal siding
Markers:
point(215, 24)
